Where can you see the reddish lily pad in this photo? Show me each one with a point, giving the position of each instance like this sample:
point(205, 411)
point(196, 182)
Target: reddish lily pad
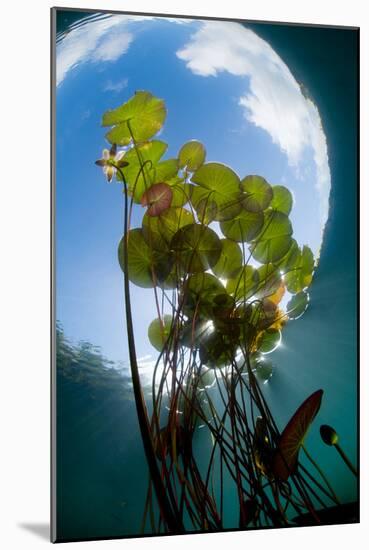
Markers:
point(158, 198)
point(285, 458)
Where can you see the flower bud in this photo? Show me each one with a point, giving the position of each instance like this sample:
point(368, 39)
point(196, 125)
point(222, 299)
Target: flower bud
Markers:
point(328, 435)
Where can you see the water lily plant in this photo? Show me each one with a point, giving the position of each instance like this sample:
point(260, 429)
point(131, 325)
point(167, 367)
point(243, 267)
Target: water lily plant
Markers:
point(227, 274)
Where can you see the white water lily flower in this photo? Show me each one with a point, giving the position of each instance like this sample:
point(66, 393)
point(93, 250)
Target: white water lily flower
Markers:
point(110, 161)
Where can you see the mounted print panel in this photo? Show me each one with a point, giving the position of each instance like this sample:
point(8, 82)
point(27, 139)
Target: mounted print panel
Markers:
point(205, 191)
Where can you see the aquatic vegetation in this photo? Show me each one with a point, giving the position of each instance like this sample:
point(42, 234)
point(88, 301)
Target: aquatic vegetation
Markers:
point(292, 437)
point(219, 254)
point(330, 437)
point(110, 161)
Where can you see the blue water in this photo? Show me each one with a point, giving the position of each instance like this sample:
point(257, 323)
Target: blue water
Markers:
point(102, 472)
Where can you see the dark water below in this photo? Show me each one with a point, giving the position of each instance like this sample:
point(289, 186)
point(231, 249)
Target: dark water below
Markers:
point(102, 473)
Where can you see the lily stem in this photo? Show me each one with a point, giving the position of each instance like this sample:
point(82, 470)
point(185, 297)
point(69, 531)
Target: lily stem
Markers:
point(174, 523)
point(334, 496)
point(346, 460)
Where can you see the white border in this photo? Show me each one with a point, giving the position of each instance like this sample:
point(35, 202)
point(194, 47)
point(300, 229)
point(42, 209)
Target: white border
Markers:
point(24, 218)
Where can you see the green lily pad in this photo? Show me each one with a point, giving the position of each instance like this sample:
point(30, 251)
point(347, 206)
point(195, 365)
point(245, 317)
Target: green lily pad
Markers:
point(220, 184)
point(165, 171)
point(265, 314)
point(181, 193)
point(151, 233)
point(264, 370)
point(289, 260)
point(199, 294)
point(269, 340)
point(146, 267)
point(223, 308)
point(139, 180)
point(244, 227)
point(258, 193)
point(298, 304)
point(203, 285)
point(301, 274)
point(269, 280)
point(217, 350)
point(143, 114)
point(174, 219)
point(274, 239)
point(197, 248)
point(158, 232)
point(206, 208)
point(282, 199)
point(244, 284)
point(159, 331)
point(241, 317)
point(192, 334)
point(230, 260)
point(192, 155)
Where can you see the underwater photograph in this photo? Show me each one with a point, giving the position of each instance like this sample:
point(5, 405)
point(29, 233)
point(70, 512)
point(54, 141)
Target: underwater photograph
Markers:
point(205, 273)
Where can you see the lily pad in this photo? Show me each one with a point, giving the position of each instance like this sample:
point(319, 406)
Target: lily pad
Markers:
point(244, 284)
point(217, 350)
point(258, 193)
point(197, 248)
point(264, 370)
point(181, 193)
point(300, 276)
point(159, 331)
point(199, 293)
point(268, 340)
point(192, 334)
point(267, 316)
point(277, 296)
point(140, 179)
point(282, 199)
point(158, 199)
point(285, 459)
point(244, 227)
point(143, 115)
point(223, 308)
point(230, 260)
point(220, 184)
point(269, 280)
point(298, 304)
point(192, 155)
point(146, 267)
point(274, 239)
point(290, 259)
point(164, 171)
point(206, 208)
point(159, 231)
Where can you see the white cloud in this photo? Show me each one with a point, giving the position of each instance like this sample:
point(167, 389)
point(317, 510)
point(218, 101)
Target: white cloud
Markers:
point(102, 38)
point(112, 46)
point(273, 101)
point(118, 86)
point(91, 42)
